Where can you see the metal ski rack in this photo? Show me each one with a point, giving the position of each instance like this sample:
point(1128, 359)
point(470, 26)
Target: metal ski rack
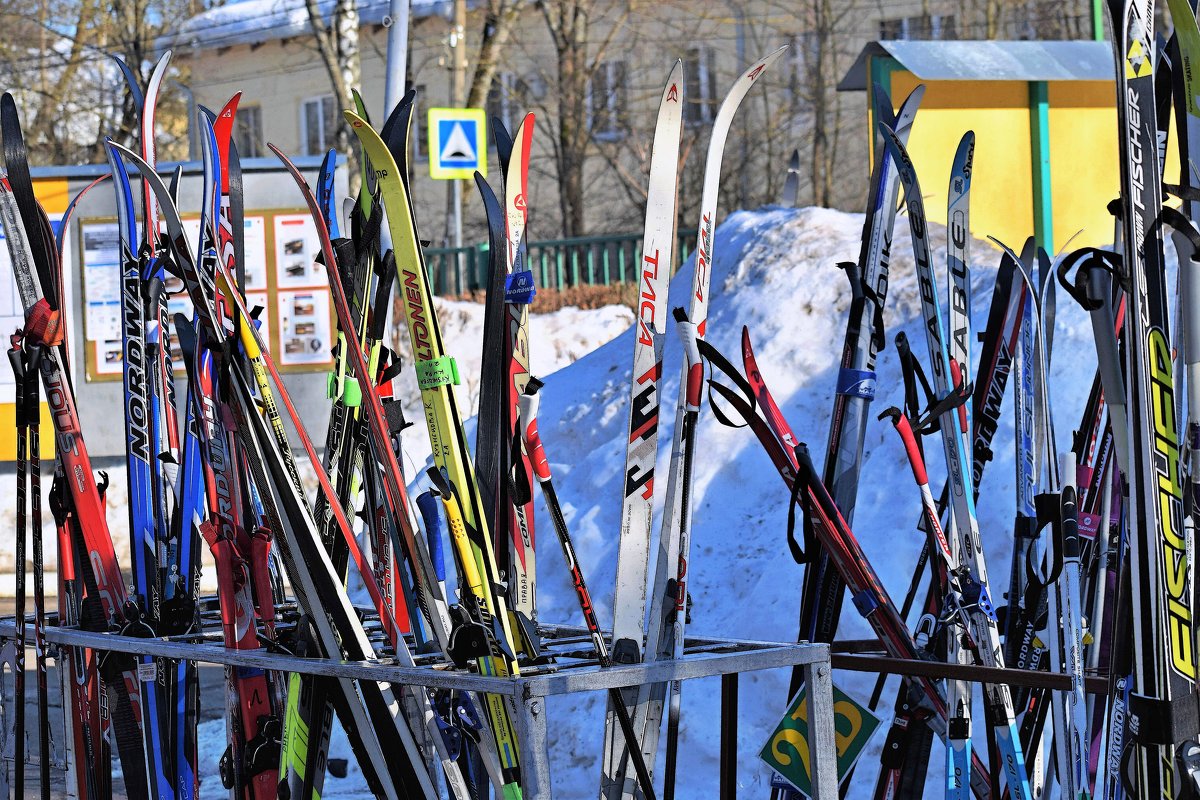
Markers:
point(566, 668)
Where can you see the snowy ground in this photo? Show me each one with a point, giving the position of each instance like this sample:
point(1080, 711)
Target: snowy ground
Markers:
point(775, 272)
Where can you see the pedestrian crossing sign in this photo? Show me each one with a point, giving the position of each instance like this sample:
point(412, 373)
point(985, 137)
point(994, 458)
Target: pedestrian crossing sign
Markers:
point(457, 143)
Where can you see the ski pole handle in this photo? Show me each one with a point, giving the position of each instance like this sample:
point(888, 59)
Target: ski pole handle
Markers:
point(428, 506)
point(915, 460)
point(695, 367)
point(1069, 508)
point(527, 407)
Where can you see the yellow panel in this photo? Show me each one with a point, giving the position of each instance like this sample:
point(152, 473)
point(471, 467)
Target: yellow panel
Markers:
point(1084, 163)
point(53, 194)
point(1001, 184)
point(8, 434)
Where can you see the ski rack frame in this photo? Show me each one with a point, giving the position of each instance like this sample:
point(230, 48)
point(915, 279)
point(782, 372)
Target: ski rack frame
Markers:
point(575, 671)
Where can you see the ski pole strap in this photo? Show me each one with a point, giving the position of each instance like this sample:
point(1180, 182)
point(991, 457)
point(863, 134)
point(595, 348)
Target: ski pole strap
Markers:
point(720, 363)
point(44, 324)
point(862, 293)
point(385, 276)
point(1088, 292)
point(391, 371)
point(913, 375)
point(519, 288)
point(437, 372)
point(799, 554)
point(806, 479)
point(520, 488)
point(931, 420)
point(1172, 218)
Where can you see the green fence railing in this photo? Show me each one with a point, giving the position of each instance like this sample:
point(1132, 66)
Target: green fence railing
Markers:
point(556, 263)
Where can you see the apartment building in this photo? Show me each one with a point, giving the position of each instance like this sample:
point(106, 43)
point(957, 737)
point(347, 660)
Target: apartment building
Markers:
point(266, 50)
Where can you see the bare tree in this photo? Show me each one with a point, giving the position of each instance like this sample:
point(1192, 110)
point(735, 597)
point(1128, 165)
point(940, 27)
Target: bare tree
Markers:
point(338, 43)
point(821, 61)
point(54, 57)
point(498, 23)
point(569, 23)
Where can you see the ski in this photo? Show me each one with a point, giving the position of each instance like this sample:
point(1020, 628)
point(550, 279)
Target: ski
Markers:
point(641, 453)
point(964, 522)
point(665, 629)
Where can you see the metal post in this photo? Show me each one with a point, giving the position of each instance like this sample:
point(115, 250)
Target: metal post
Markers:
point(397, 54)
point(729, 736)
point(535, 755)
point(821, 745)
point(458, 256)
point(458, 98)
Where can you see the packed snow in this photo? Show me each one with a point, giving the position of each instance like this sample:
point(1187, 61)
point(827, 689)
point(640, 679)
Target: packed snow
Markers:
point(774, 271)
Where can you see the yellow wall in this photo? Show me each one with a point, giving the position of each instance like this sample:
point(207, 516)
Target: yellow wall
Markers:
point(1001, 185)
point(1084, 161)
point(1084, 169)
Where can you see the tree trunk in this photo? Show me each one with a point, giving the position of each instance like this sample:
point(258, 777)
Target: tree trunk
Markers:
point(337, 44)
point(497, 27)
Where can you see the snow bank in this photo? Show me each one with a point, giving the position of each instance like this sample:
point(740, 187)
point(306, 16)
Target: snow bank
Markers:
point(775, 272)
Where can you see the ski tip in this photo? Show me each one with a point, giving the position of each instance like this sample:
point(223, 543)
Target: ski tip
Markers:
point(756, 69)
point(913, 100)
point(356, 122)
point(231, 104)
point(673, 89)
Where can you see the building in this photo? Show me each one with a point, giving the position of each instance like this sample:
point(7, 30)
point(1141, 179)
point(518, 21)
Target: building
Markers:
point(266, 50)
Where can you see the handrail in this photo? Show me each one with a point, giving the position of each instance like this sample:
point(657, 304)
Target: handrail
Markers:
point(600, 260)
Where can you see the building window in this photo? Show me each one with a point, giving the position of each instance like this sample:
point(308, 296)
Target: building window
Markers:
point(248, 132)
point(607, 100)
point(507, 99)
point(317, 124)
point(922, 26)
point(700, 78)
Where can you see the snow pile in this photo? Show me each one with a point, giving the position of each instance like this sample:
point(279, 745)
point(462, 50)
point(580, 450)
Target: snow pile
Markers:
point(556, 339)
point(775, 272)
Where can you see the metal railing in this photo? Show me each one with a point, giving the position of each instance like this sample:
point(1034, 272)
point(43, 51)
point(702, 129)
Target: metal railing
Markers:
point(570, 671)
point(556, 263)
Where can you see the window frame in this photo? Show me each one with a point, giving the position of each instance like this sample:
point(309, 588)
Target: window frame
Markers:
point(702, 109)
point(326, 139)
point(614, 101)
point(239, 126)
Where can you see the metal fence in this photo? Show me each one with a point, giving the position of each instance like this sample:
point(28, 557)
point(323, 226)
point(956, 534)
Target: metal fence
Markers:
point(556, 263)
